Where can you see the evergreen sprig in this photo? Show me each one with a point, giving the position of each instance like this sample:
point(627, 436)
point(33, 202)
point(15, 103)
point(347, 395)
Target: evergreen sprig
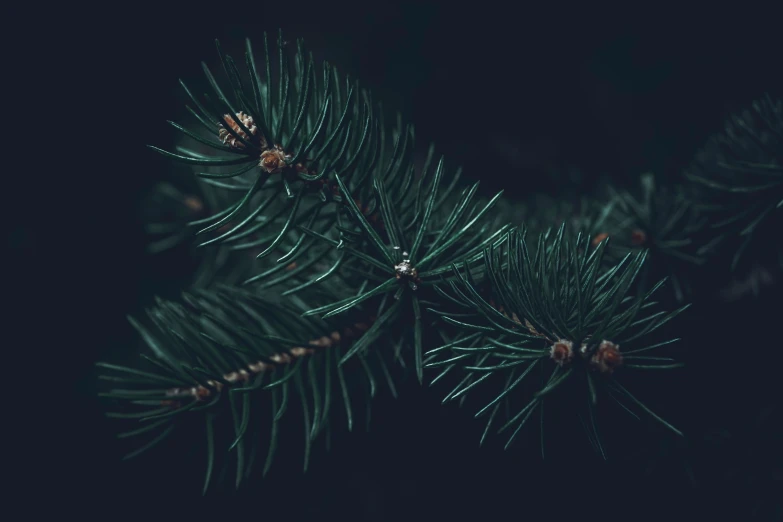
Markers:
point(415, 249)
point(362, 261)
point(556, 307)
point(661, 220)
point(286, 131)
point(229, 353)
point(738, 178)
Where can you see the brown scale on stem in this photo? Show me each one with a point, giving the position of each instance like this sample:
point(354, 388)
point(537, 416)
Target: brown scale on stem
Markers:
point(533, 331)
point(502, 310)
point(242, 375)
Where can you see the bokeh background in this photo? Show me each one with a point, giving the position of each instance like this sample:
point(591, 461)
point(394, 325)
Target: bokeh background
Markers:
point(525, 101)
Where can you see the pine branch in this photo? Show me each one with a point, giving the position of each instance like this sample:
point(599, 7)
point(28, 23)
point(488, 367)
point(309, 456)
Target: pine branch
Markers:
point(228, 350)
point(405, 257)
point(662, 220)
point(738, 177)
point(265, 134)
point(558, 307)
point(299, 174)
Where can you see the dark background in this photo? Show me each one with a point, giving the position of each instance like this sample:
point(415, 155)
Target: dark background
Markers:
point(510, 94)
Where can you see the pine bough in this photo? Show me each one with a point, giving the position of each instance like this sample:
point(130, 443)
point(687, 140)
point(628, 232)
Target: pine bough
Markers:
point(332, 263)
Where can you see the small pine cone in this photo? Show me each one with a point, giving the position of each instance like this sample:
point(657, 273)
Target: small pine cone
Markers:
point(607, 357)
point(273, 160)
point(227, 138)
point(562, 352)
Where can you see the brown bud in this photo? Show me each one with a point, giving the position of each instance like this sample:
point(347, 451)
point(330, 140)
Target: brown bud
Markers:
point(638, 237)
point(607, 357)
point(562, 352)
point(273, 160)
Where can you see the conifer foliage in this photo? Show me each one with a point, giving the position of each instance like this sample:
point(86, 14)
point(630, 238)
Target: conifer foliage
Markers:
point(739, 178)
point(332, 265)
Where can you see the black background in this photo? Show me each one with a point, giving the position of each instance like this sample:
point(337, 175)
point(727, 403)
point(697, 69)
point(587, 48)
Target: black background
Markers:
point(508, 93)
